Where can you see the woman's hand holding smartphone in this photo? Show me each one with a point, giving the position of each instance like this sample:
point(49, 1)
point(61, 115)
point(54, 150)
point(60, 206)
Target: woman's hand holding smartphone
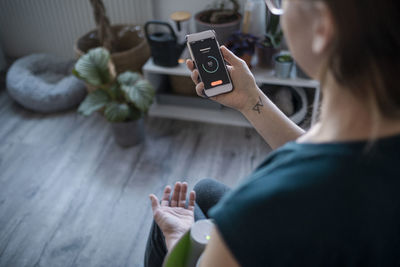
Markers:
point(245, 92)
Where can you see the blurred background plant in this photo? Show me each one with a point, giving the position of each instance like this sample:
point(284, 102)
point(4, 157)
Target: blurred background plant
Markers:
point(243, 45)
point(122, 98)
point(273, 36)
point(270, 43)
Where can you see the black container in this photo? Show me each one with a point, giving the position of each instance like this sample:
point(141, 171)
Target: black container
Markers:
point(164, 46)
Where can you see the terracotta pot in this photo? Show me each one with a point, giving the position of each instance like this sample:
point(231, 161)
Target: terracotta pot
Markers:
point(265, 56)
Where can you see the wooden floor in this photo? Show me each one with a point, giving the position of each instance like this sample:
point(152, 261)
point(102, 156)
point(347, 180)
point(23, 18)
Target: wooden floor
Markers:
point(69, 196)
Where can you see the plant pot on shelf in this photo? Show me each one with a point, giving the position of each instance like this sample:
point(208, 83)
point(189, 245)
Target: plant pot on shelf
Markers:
point(242, 45)
point(223, 30)
point(131, 52)
point(127, 134)
point(182, 85)
point(265, 56)
point(283, 65)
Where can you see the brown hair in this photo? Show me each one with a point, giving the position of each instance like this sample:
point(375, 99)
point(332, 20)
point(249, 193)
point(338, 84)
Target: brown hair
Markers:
point(366, 52)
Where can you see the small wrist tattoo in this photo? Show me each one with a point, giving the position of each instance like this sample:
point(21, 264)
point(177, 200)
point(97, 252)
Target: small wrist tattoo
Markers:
point(258, 106)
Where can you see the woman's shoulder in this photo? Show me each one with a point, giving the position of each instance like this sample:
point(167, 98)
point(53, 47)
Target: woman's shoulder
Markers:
point(301, 190)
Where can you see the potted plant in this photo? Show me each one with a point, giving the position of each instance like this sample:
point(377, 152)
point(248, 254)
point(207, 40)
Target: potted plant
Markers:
point(242, 45)
point(267, 47)
point(283, 65)
point(221, 18)
point(126, 42)
point(122, 99)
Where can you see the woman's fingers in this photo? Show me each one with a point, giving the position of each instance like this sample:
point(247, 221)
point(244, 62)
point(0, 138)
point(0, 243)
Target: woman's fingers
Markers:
point(230, 57)
point(195, 76)
point(200, 90)
point(192, 199)
point(178, 198)
point(182, 195)
point(154, 202)
point(189, 64)
point(175, 194)
point(166, 195)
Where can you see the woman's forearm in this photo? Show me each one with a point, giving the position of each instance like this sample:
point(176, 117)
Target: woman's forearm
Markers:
point(271, 123)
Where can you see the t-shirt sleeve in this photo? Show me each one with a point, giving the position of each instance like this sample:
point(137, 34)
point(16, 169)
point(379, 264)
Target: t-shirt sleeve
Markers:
point(259, 218)
point(242, 225)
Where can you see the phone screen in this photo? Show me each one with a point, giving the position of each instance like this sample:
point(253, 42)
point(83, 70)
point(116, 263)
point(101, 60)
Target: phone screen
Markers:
point(209, 62)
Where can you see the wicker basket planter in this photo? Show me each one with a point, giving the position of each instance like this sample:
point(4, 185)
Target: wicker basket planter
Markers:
point(182, 85)
point(132, 48)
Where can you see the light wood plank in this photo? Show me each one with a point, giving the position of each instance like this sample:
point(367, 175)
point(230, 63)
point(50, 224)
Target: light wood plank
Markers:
point(69, 196)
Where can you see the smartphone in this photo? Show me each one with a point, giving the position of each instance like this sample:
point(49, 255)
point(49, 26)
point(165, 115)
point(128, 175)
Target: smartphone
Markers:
point(205, 52)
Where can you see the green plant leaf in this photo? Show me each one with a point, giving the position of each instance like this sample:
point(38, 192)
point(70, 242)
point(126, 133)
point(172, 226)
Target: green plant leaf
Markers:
point(93, 102)
point(114, 91)
point(117, 112)
point(138, 92)
point(93, 67)
point(143, 95)
point(128, 78)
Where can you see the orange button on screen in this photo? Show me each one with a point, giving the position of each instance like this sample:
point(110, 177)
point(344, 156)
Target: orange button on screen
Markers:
point(216, 83)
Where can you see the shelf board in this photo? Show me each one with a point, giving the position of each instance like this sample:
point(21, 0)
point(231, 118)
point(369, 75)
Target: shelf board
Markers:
point(171, 109)
point(224, 115)
point(181, 69)
point(261, 75)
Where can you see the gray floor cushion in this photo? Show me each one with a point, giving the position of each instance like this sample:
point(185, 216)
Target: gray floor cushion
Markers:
point(44, 83)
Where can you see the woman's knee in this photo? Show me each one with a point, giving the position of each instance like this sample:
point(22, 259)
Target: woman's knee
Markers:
point(204, 184)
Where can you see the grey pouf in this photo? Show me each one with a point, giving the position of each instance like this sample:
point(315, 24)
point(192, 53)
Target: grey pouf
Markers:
point(44, 83)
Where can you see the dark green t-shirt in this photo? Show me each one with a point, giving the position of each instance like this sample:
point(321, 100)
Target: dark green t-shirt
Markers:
point(317, 205)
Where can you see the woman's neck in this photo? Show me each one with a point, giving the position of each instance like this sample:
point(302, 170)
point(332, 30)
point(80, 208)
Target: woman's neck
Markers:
point(345, 117)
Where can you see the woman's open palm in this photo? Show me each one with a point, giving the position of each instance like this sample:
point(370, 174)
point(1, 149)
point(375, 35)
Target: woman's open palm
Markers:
point(172, 216)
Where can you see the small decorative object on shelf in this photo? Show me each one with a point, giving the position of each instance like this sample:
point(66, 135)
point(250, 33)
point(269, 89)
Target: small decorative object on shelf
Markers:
point(181, 21)
point(122, 99)
point(267, 47)
point(254, 17)
point(242, 45)
point(126, 43)
point(223, 20)
point(283, 65)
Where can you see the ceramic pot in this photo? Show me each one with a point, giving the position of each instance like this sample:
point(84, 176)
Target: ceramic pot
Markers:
point(223, 30)
point(283, 69)
point(129, 133)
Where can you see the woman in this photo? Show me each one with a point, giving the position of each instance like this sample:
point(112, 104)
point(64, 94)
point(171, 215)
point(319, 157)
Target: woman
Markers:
point(328, 196)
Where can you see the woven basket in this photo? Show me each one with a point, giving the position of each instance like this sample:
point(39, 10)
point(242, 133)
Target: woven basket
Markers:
point(130, 41)
point(182, 85)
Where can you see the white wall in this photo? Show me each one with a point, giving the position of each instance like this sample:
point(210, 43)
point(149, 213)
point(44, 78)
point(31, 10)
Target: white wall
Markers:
point(164, 8)
point(52, 26)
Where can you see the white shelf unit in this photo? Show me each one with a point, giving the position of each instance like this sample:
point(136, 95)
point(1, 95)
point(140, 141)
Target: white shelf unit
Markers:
point(157, 75)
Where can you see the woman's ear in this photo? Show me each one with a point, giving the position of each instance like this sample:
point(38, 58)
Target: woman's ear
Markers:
point(323, 28)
